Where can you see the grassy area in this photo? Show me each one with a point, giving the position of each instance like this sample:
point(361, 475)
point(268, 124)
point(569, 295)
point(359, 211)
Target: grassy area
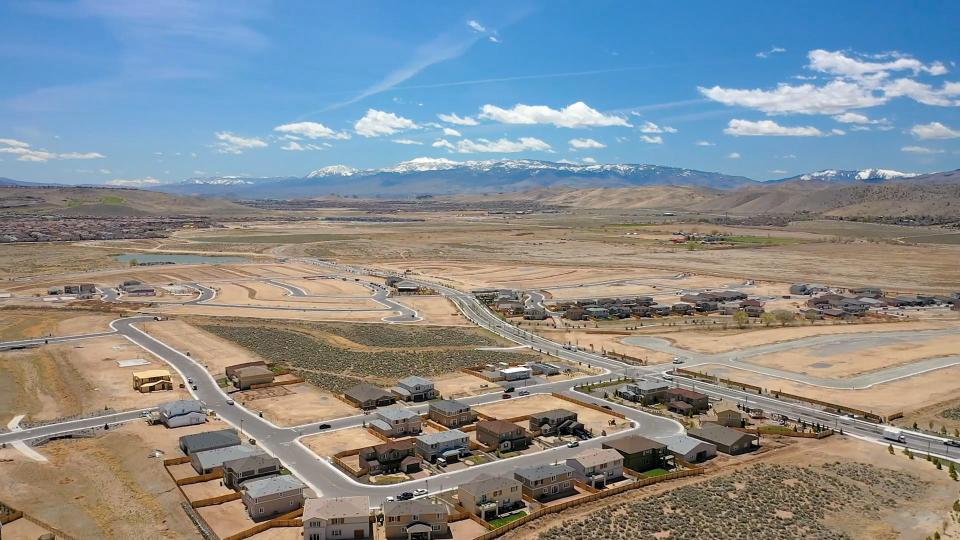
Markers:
point(603, 384)
point(503, 520)
point(776, 429)
point(112, 199)
point(655, 472)
point(762, 240)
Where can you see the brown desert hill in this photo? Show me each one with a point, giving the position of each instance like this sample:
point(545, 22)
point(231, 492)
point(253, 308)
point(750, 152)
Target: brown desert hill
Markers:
point(113, 202)
point(606, 197)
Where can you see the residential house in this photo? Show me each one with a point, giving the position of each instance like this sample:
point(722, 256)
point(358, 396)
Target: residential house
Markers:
point(152, 380)
point(554, 421)
point(489, 496)
point(367, 396)
point(451, 413)
point(728, 441)
point(502, 435)
point(446, 444)
point(240, 470)
point(543, 368)
point(698, 402)
point(535, 313)
point(231, 371)
point(689, 449)
point(644, 391)
point(208, 440)
point(210, 460)
point(546, 481)
point(731, 418)
point(272, 496)
point(182, 412)
point(597, 466)
point(575, 313)
point(391, 457)
point(337, 518)
point(414, 388)
point(681, 308)
point(639, 453)
point(246, 377)
point(415, 519)
point(598, 312)
point(396, 422)
point(515, 373)
point(661, 310)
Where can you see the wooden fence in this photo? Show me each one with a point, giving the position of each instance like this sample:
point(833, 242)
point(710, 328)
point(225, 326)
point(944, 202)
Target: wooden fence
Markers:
point(547, 510)
point(176, 461)
point(12, 516)
point(801, 435)
point(216, 474)
point(588, 405)
point(298, 380)
point(866, 414)
point(286, 520)
point(200, 503)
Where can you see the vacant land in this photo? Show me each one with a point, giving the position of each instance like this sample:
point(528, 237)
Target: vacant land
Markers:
point(213, 352)
point(528, 405)
point(337, 368)
point(295, 404)
point(334, 442)
point(33, 323)
point(435, 310)
point(105, 487)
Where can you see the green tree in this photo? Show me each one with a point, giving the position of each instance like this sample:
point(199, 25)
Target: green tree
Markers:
point(783, 316)
point(953, 472)
point(134, 262)
point(741, 318)
point(768, 318)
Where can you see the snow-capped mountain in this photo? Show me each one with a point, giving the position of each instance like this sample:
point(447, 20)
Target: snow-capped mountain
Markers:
point(847, 176)
point(427, 175)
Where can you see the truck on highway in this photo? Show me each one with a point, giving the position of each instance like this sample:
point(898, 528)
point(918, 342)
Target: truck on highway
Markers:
point(894, 434)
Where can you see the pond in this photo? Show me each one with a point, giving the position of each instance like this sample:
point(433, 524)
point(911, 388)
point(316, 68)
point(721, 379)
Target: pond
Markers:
point(180, 258)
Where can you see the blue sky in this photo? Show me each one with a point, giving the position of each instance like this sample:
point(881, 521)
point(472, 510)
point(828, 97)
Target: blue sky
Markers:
point(134, 93)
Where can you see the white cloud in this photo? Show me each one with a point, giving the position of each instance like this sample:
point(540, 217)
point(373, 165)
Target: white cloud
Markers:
point(451, 132)
point(231, 143)
point(770, 52)
point(25, 152)
point(476, 25)
point(622, 139)
point(578, 114)
point(705, 143)
point(452, 118)
point(934, 130)
point(376, 123)
point(652, 139)
point(134, 182)
point(14, 142)
point(833, 98)
point(311, 130)
point(585, 143)
point(836, 131)
point(294, 146)
point(857, 118)
point(105, 171)
point(737, 127)
point(778, 171)
point(924, 93)
point(494, 39)
point(650, 127)
point(407, 141)
point(733, 155)
point(848, 65)
point(468, 146)
point(589, 161)
point(921, 150)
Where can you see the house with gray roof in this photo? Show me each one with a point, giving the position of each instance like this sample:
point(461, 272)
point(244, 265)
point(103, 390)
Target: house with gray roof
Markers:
point(337, 518)
point(271, 496)
point(420, 519)
point(447, 444)
point(208, 440)
point(182, 412)
point(689, 449)
point(597, 466)
point(644, 391)
point(546, 481)
point(396, 422)
point(207, 461)
point(414, 388)
point(367, 396)
point(489, 496)
point(238, 471)
point(451, 413)
point(728, 441)
point(554, 421)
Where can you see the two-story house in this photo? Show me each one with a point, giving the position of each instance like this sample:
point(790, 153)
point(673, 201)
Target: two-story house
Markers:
point(597, 466)
point(396, 422)
point(451, 413)
point(502, 435)
point(391, 457)
point(546, 481)
point(337, 518)
point(639, 453)
point(416, 519)
point(414, 388)
point(489, 496)
point(446, 444)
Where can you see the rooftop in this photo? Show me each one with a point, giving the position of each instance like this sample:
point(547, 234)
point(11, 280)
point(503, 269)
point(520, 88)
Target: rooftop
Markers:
point(209, 459)
point(209, 439)
point(442, 437)
point(366, 392)
point(449, 406)
point(414, 507)
point(682, 444)
point(272, 485)
point(250, 371)
point(396, 413)
point(336, 507)
point(634, 444)
point(719, 434)
point(553, 414)
point(541, 472)
point(414, 380)
point(597, 456)
point(498, 426)
point(151, 373)
point(486, 483)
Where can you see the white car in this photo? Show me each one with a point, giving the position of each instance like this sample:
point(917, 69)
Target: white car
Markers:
point(390, 499)
point(230, 402)
point(419, 492)
point(677, 360)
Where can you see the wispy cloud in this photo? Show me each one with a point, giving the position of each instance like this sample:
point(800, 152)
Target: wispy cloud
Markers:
point(231, 143)
point(770, 52)
point(26, 152)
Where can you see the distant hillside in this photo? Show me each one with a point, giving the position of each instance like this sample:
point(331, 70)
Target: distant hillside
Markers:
point(439, 176)
point(95, 201)
point(659, 197)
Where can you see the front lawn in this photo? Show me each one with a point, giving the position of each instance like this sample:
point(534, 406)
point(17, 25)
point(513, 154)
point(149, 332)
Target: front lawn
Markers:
point(655, 472)
point(503, 520)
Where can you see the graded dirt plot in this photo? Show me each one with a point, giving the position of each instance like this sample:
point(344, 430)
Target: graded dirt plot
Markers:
point(209, 350)
point(333, 442)
point(842, 362)
point(527, 405)
point(299, 404)
point(23, 529)
point(904, 395)
point(105, 487)
point(838, 487)
point(227, 519)
point(617, 290)
point(66, 379)
point(434, 310)
point(479, 274)
point(457, 385)
point(33, 323)
point(329, 286)
point(711, 341)
point(205, 490)
point(253, 293)
point(610, 343)
point(297, 314)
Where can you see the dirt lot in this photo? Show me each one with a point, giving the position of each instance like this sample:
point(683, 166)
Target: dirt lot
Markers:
point(456, 385)
point(211, 351)
point(66, 379)
point(296, 404)
point(227, 518)
point(329, 287)
point(333, 442)
point(278, 314)
point(901, 395)
point(512, 408)
point(434, 310)
point(105, 487)
point(32, 323)
point(23, 529)
point(832, 460)
point(611, 343)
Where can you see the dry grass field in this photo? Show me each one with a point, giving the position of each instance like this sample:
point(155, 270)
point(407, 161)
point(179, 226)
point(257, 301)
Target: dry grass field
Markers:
point(333, 442)
point(295, 404)
point(25, 323)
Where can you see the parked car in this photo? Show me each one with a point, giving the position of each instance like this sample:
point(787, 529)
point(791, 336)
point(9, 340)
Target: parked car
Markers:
point(952, 442)
point(194, 387)
point(230, 402)
point(677, 360)
point(419, 492)
point(524, 392)
point(506, 396)
point(323, 426)
point(390, 499)
point(405, 496)
point(573, 444)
